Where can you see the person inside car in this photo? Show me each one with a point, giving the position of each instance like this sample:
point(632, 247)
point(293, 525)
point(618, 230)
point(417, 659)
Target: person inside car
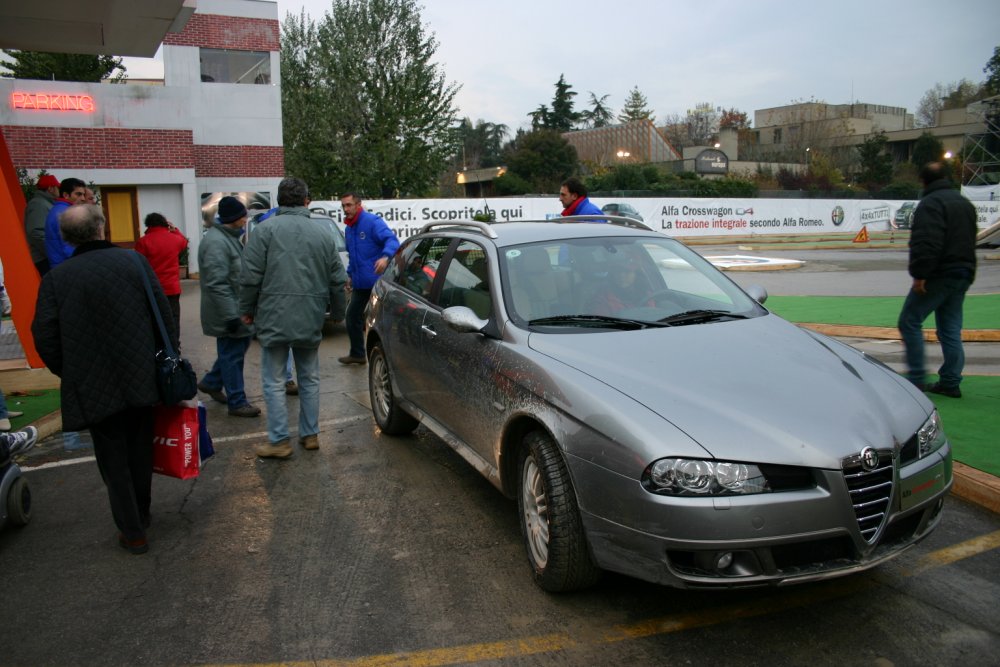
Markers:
point(625, 288)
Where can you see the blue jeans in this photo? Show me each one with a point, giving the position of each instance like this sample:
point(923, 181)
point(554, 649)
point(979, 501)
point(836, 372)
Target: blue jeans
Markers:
point(227, 371)
point(3, 406)
point(272, 370)
point(355, 320)
point(944, 298)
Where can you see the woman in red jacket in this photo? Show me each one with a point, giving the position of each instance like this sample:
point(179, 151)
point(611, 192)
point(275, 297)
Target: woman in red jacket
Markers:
point(161, 246)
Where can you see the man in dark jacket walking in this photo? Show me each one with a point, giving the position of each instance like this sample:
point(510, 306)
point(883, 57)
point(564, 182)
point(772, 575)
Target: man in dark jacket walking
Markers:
point(94, 328)
point(943, 266)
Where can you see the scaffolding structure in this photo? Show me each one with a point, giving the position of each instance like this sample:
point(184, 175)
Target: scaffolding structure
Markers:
point(638, 142)
point(981, 150)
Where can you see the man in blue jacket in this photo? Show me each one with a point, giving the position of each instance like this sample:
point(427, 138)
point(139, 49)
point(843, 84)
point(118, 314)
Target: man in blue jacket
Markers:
point(370, 246)
point(573, 197)
point(71, 191)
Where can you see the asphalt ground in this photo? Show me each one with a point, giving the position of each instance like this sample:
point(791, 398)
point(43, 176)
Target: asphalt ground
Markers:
point(391, 551)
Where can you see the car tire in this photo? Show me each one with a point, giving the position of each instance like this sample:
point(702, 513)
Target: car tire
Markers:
point(550, 519)
point(19, 502)
point(391, 418)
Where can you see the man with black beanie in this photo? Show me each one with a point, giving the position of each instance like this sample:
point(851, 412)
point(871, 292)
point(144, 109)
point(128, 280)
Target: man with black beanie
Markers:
point(220, 262)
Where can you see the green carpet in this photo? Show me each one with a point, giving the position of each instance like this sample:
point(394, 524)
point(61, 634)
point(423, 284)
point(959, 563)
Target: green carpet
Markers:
point(982, 311)
point(972, 422)
point(34, 405)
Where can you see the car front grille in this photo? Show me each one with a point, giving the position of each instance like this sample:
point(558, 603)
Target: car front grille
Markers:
point(871, 492)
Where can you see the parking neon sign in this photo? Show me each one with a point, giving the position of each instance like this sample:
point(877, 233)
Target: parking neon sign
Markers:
point(51, 102)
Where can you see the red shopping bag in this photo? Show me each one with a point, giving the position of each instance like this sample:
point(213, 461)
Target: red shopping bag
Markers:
point(175, 440)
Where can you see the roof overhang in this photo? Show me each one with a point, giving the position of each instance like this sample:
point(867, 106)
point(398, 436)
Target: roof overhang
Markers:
point(104, 27)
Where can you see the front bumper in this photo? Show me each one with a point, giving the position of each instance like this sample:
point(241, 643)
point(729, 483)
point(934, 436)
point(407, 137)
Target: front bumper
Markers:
point(757, 540)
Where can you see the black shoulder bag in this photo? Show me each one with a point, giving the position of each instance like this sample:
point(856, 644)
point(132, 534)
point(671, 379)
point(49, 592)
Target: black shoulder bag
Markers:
point(175, 379)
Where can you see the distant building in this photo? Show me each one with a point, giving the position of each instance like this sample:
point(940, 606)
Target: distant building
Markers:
point(478, 183)
point(785, 133)
point(636, 142)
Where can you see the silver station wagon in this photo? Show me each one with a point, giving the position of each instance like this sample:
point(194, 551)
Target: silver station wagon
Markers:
point(650, 417)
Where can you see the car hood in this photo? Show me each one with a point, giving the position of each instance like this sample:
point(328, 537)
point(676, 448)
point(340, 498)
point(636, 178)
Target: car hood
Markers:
point(759, 390)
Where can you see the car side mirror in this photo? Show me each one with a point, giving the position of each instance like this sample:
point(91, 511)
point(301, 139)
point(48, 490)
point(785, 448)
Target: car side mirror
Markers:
point(463, 320)
point(757, 293)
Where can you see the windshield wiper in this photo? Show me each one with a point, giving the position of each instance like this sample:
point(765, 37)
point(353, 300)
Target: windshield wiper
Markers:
point(700, 315)
point(595, 321)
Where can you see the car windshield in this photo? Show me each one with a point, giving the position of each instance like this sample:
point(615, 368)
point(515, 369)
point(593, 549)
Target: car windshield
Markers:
point(592, 283)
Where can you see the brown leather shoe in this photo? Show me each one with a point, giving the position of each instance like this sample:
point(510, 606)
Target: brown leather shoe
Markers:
point(278, 450)
point(310, 441)
point(217, 395)
point(245, 411)
point(135, 547)
point(348, 359)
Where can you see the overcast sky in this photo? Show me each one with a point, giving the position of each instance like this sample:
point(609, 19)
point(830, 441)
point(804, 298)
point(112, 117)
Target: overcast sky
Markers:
point(508, 55)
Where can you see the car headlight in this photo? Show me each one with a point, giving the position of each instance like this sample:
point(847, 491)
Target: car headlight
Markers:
point(931, 436)
point(696, 477)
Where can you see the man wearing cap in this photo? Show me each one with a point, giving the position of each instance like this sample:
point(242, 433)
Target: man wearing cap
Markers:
point(34, 219)
point(220, 261)
point(71, 191)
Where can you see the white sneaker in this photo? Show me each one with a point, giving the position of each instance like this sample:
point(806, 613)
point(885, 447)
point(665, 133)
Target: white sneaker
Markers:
point(22, 441)
point(4, 424)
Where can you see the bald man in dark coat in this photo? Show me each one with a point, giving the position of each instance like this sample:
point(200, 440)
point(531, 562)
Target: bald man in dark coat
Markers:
point(94, 328)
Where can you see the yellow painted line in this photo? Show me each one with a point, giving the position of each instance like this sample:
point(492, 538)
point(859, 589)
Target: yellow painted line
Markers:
point(778, 600)
point(956, 552)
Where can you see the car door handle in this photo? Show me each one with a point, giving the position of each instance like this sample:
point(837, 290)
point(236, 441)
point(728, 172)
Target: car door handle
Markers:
point(429, 330)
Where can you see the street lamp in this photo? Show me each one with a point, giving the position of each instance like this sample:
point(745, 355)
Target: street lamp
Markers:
point(623, 154)
point(947, 155)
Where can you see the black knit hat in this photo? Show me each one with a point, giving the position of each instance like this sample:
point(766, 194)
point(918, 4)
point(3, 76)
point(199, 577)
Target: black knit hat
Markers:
point(231, 209)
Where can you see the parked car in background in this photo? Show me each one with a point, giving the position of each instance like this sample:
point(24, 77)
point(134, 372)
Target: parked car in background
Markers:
point(622, 209)
point(649, 416)
point(904, 215)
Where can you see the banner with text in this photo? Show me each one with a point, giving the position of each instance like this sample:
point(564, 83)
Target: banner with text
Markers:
point(673, 217)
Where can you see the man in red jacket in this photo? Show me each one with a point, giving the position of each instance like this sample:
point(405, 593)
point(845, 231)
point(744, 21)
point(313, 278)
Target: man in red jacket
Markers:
point(161, 246)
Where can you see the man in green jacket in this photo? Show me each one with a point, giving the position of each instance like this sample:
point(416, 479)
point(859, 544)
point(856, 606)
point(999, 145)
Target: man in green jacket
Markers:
point(219, 263)
point(34, 219)
point(290, 267)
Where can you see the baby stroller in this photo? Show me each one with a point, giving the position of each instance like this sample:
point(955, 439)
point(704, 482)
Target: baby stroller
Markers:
point(15, 494)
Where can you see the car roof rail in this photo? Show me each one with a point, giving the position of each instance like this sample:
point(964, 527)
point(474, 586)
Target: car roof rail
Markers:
point(612, 219)
point(475, 224)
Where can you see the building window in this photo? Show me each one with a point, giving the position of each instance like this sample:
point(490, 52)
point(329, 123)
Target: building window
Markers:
point(777, 135)
point(227, 66)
